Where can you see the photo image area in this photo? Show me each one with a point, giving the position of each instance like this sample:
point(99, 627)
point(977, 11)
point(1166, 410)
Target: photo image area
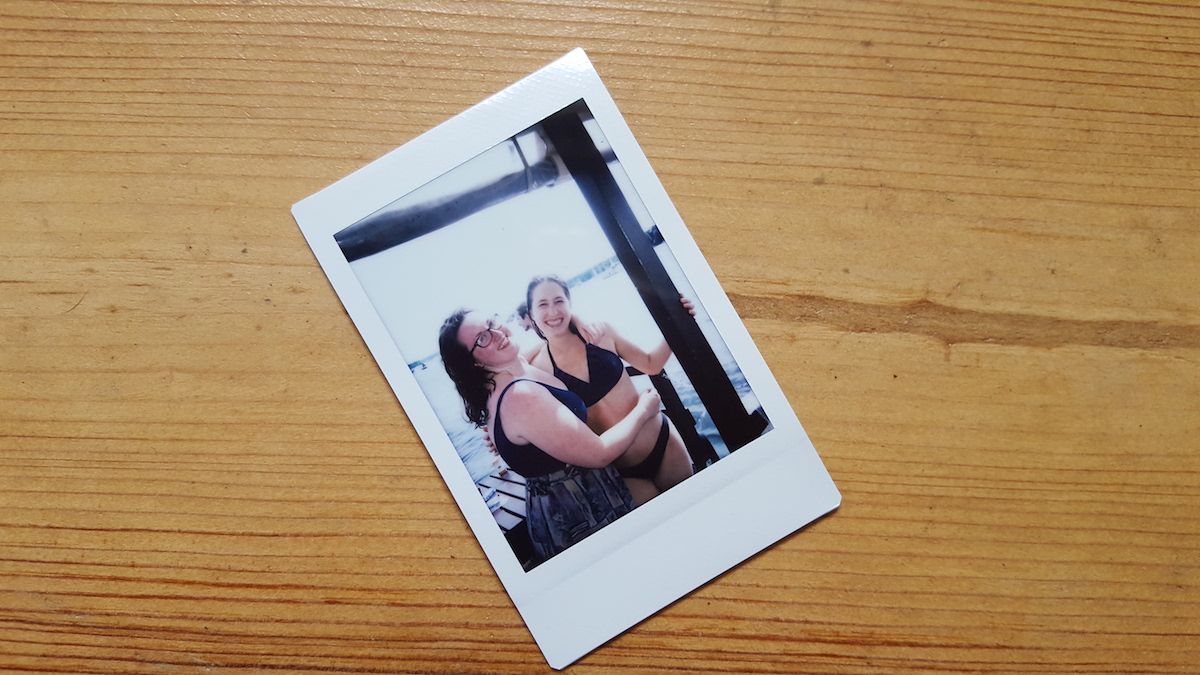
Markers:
point(552, 199)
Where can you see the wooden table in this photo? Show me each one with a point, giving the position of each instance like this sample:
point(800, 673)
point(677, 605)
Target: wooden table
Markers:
point(966, 236)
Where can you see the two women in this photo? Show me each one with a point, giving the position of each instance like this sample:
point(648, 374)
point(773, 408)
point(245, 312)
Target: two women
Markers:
point(538, 427)
point(592, 368)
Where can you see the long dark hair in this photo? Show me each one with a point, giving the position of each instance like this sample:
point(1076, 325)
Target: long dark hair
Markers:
point(474, 382)
point(538, 281)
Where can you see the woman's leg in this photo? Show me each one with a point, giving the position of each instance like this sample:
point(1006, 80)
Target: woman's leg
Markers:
point(676, 464)
point(643, 490)
point(667, 462)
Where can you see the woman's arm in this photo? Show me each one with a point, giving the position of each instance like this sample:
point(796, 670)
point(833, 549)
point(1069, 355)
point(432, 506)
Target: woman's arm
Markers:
point(651, 362)
point(533, 415)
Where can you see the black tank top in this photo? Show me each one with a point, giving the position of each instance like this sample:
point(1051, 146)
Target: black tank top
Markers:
point(528, 459)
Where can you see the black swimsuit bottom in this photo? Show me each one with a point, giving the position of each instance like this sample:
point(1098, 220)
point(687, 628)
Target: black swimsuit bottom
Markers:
point(648, 468)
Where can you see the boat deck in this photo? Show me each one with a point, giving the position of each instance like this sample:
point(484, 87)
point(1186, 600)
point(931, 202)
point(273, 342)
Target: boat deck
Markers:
point(507, 497)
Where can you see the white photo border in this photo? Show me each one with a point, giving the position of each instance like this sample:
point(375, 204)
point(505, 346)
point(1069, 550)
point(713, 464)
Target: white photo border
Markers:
point(664, 549)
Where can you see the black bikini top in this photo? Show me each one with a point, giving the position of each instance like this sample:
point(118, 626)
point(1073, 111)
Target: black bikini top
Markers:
point(604, 372)
point(529, 460)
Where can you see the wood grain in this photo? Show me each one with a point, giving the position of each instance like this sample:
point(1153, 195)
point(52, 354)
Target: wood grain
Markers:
point(966, 236)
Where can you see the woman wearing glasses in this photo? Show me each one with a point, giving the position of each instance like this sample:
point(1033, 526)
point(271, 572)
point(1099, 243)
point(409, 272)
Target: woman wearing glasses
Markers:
point(591, 366)
point(538, 427)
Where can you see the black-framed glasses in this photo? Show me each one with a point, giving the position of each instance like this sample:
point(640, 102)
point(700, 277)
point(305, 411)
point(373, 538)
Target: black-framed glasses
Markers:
point(485, 338)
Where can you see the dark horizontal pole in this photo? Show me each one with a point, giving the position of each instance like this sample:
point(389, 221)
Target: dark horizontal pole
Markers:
point(385, 229)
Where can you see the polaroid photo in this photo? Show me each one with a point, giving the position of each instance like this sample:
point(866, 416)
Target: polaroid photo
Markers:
point(595, 405)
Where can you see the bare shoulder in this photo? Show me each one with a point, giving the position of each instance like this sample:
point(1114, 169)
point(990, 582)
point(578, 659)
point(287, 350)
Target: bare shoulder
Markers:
point(527, 407)
point(523, 393)
point(534, 353)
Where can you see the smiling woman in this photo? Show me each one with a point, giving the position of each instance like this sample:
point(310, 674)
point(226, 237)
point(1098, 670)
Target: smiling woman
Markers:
point(538, 428)
point(594, 370)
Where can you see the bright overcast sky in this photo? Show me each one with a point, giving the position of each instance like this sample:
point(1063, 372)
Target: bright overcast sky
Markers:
point(483, 262)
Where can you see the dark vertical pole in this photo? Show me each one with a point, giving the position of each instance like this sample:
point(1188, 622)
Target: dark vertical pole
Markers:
point(698, 447)
point(566, 132)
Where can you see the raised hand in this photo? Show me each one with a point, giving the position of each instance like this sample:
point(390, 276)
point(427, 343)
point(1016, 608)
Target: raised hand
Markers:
point(687, 304)
point(590, 331)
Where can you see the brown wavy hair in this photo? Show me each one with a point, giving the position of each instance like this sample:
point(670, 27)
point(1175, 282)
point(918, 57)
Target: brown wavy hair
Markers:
point(473, 382)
